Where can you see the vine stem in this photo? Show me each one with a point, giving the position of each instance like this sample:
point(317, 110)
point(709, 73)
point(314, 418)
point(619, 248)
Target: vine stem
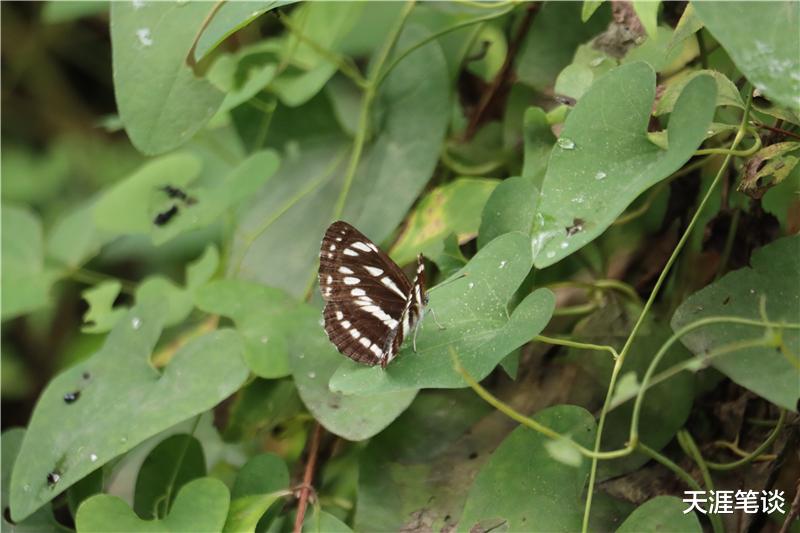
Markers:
point(308, 477)
point(650, 300)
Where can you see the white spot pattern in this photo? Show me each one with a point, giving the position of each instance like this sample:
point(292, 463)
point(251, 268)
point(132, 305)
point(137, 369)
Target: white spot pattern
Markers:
point(345, 270)
point(350, 280)
point(348, 251)
point(375, 271)
point(358, 245)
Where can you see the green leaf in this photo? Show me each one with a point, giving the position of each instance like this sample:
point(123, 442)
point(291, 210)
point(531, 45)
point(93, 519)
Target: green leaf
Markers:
point(42, 519)
point(57, 12)
point(539, 141)
point(524, 487)
point(75, 238)
point(774, 160)
point(101, 315)
point(492, 41)
point(120, 403)
point(588, 9)
point(662, 513)
point(161, 101)
point(132, 205)
point(413, 107)
point(727, 93)
point(176, 461)
point(313, 360)
point(258, 485)
point(262, 316)
point(451, 208)
point(648, 15)
point(323, 522)
point(511, 207)
point(228, 19)
point(26, 281)
point(656, 51)
point(243, 74)
point(688, 25)
point(201, 505)
point(261, 406)
point(479, 326)
point(552, 39)
point(420, 468)
point(604, 159)
point(769, 372)
point(757, 36)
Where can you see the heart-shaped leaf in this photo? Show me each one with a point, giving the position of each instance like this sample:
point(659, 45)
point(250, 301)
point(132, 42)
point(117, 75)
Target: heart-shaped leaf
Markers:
point(662, 513)
point(201, 505)
point(604, 159)
point(524, 487)
point(109, 403)
point(161, 101)
point(474, 311)
point(757, 36)
point(769, 372)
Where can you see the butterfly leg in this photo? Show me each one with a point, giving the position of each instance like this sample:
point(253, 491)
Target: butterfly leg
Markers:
point(438, 324)
point(417, 327)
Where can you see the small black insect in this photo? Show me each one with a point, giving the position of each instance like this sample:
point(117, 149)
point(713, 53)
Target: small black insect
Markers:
point(72, 397)
point(165, 216)
point(86, 375)
point(576, 227)
point(53, 478)
point(175, 192)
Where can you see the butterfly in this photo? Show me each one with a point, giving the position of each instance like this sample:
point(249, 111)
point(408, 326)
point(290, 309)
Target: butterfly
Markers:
point(371, 306)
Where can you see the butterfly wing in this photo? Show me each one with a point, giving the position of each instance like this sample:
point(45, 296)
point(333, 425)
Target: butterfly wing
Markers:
point(366, 295)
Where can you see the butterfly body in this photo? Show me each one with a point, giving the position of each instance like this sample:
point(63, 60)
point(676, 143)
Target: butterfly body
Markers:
point(371, 306)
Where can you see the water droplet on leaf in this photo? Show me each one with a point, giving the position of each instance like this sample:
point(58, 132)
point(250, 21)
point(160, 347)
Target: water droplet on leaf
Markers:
point(93, 457)
point(72, 397)
point(566, 144)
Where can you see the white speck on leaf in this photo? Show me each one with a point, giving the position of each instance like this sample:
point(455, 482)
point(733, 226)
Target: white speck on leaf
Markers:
point(138, 4)
point(264, 339)
point(566, 144)
point(136, 323)
point(93, 457)
point(600, 175)
point(144, 36)
point(503, 264)
point(564, 244)
point(551, 254)
point(470, 285)
point(312, 375)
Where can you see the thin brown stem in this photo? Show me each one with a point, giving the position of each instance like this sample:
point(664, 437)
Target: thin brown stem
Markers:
point(308, 477)
point(502, 77)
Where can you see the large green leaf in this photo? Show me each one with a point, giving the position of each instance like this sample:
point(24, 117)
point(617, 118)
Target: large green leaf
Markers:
point(662, 513)
point(114, 400)
point(201, 505)
point(479, 326)
point(313, 360)
point(176, 461)
point(419, 469)
point(762, 39)
point(26, 281)
point(412, 104)
point(604, 159)
point(524, 487)
point(161, 101)
point(771, 373)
